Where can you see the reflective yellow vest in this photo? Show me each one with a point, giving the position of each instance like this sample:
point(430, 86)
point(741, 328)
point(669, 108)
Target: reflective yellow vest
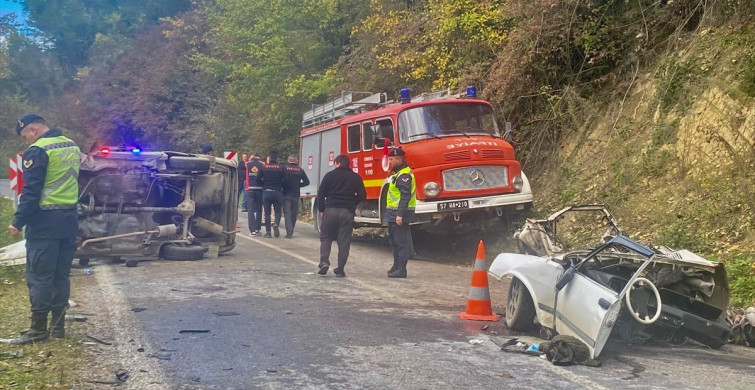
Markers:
point(61, 190)
point(394, 194)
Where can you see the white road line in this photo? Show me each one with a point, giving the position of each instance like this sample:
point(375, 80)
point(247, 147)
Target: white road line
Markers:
point(369, 286)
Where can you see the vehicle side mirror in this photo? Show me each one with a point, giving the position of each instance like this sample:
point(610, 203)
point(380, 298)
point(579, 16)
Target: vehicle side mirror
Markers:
point(566, 278)
point(379, 142)
point(507, 136)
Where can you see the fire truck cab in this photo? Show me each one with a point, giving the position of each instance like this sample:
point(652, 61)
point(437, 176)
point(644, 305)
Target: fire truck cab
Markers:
point(465, 170)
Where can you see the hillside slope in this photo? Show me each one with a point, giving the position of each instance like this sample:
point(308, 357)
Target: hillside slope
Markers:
point(674, 159)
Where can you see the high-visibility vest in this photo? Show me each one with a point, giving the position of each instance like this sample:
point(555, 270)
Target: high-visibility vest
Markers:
point(394, 194)
point(61, 190)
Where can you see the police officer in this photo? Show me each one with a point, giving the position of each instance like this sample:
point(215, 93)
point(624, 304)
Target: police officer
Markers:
point(271, 177)
point(48, 211)
point(254, 193)
point(207, 150)
point(401, 201)
point(341, 190)
point(294, 179)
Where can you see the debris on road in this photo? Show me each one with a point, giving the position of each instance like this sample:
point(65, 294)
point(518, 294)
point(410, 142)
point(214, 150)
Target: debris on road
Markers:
point(742, 322)
point(225, 313)
point(98, 340)
point(476, 341)
point(564, 350)
point(194, 331)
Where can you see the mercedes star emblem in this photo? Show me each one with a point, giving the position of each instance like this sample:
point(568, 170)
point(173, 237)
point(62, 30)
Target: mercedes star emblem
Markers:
point(477, 177)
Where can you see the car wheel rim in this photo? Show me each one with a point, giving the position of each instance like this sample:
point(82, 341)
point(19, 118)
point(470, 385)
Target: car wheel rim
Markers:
point(513, 298)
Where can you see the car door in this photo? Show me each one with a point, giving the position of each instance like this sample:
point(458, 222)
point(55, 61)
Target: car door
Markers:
point(587, 311)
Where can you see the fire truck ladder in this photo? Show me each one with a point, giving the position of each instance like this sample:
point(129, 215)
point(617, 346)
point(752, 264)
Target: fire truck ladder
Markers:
point(344, 106)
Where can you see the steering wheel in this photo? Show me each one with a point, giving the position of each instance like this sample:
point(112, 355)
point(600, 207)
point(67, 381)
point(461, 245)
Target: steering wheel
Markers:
point(642, 282)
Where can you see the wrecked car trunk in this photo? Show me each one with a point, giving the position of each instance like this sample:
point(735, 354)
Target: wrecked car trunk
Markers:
point(614, 287)
point(149, 205)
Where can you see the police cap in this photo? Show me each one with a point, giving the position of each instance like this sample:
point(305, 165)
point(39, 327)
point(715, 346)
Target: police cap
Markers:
point(27, 120)
point(396, 152)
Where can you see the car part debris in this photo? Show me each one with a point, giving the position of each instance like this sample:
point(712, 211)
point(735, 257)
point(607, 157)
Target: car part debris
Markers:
point(742, 322)
point(564, 350)
point(98, 340)
point(194, 331)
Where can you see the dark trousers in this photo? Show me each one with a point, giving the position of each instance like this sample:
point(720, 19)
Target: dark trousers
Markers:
point(255, 210)
point(400, 239)
point(243, 194)
point(48, 267)
point(272, 198)
point(290, 212)
point(337, 224)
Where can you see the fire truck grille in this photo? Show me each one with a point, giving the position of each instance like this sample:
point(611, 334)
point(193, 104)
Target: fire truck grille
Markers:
point(492, 153)
point(456, 156)
point(476, 178)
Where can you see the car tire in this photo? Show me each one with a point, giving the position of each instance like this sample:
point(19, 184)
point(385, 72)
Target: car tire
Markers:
point(182, 253)
point(520, 310)
point(188, 164)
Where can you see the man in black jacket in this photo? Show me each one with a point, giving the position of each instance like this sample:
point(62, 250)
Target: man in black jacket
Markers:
point(341, 190)
point(271, 178)
point(242, 181)
point(294, 179)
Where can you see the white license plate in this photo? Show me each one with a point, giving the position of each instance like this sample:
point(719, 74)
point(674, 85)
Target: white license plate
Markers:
point(453, 205)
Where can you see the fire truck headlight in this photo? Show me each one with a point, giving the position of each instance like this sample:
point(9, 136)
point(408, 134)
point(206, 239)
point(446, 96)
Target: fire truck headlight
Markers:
point(432, 189)
point(518, 183)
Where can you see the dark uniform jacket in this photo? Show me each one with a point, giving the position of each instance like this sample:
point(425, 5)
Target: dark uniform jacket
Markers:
point(341, 188)
point(253, 168)
point(294, 179)
point(242, 171)
point(41, 224)
point(404, 184)
point(271, 177)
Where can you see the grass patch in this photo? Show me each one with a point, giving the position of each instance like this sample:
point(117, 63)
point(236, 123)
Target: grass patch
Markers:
point(50, 365)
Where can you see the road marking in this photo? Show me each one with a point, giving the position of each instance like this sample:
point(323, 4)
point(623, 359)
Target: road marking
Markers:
point(385, 293)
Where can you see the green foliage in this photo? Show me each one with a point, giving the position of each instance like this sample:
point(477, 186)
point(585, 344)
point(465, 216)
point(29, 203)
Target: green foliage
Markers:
point(665, 133)
point(675, 81)
point(747, 85)
point(741, 271)
point(7, 210)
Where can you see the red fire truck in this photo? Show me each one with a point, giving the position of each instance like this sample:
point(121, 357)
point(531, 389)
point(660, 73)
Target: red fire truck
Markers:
point(465, 169)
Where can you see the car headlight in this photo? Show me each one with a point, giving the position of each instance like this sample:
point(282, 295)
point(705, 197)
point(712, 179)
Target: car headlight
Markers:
point(432, 189)
point(518, 183)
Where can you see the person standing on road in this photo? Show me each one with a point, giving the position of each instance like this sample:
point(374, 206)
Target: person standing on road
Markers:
point(242, 181)
point(294, 179)
point(271, 178)
point(48, 211)
point(341, 190)
point(254, 193)
point(401, 201)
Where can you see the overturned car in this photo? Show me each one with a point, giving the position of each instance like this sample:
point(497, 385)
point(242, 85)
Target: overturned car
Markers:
point(144, 205)
point(617, 288)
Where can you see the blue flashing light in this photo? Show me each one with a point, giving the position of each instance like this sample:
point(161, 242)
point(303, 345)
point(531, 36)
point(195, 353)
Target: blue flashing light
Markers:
point(136, 150)
point(471, 91)
point(406, 95)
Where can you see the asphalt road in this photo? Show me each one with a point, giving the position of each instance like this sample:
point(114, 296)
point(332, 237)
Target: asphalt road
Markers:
point(260, 318)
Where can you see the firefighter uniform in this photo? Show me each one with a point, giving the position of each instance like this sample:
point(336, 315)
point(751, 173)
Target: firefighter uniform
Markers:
point(47, 209)
point(271, 177)
point(294, 179)
point(401, 202)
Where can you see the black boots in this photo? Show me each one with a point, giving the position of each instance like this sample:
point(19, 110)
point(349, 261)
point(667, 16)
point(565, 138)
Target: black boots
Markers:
point(394, 267)
point(37, 332)
point(399, 272)
point(58, 324)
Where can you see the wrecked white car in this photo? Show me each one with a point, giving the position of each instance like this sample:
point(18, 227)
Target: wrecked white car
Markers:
point(619, 288)
point(144, 205)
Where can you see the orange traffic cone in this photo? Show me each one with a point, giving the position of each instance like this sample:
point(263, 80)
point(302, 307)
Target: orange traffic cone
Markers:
point(478, 303)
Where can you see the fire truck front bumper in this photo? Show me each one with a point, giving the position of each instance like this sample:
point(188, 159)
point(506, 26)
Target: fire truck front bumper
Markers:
point(517, 201)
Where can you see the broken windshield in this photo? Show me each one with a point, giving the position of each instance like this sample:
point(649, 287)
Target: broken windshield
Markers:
point(446, 119)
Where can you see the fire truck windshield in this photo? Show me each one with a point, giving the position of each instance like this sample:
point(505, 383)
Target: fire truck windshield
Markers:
point(446, 119)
